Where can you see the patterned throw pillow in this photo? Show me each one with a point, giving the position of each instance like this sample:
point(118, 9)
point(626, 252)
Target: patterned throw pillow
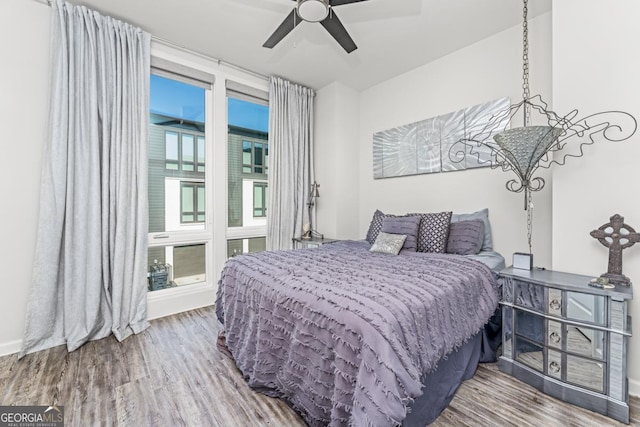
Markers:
point(466, 237)
point(433, 232)
point(375, 226)
point(407, 225)
point(388, 243)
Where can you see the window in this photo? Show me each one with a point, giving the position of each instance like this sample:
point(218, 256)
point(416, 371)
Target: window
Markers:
point(179, 236)
point(259, 199)
point(200, 151)
point(188, 152)
point(172, 158)
point(182, 149)
point(248, 158)
point(243, 246)
point(255, 157)
point(172, 266)
point(247, 166)
point(192, 202)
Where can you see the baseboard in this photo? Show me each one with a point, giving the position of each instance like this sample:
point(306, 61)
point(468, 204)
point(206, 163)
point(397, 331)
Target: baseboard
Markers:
point(159, 304)
point(10, 347)
point(634, 387)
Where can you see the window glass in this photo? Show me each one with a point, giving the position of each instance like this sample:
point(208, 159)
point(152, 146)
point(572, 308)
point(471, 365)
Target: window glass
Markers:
point(257, 154)
point(243, 246)
point(187, 203)
point(246, 157)
point(248, 141)
point(176, 137)
point(187, 152)
point(201, 154)
point(171, 149)
point(201, 203)
point(173, 266)
point(177, 184)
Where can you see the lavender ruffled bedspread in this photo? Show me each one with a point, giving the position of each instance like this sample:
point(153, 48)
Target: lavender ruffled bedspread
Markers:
point(344, 334)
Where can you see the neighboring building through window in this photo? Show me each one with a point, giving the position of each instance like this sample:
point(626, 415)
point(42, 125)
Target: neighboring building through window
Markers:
point(178, 233)
point(247, 170)
point(248, 153)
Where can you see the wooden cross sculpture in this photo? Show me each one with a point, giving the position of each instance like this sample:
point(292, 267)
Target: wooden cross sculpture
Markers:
point(616, 235)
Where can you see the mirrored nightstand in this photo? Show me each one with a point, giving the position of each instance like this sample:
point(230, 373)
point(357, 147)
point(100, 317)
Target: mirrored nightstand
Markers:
point(566, 338)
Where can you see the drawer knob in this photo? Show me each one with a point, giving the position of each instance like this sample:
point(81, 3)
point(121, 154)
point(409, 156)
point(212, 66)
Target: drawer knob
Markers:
point(554, 304)
point(555, 337)
point(554, 367)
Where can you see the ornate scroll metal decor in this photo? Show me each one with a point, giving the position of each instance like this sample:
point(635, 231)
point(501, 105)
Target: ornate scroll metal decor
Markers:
point(522, 150)
point(617, 236)
point(540, 142)
point(423, 147)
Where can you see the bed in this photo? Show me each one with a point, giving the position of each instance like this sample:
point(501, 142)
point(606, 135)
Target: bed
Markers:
point(351, 337)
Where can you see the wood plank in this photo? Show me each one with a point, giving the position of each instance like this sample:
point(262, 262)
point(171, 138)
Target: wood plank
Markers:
point(173, 375)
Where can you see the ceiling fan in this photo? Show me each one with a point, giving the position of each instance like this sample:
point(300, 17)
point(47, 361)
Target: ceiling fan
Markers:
point(315, 11)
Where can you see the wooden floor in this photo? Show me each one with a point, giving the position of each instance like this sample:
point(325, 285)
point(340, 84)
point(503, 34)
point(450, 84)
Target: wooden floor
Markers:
point(173, 375)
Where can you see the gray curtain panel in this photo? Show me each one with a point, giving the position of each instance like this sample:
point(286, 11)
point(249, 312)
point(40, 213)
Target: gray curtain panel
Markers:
point(89, 276)
point(290, 161)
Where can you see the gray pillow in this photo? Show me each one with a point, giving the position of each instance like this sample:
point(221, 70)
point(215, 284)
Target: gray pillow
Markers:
point(487, 243)
point(375, 226)
point(466, 237)
point(388, 243)
point(407, 225)
point(433, 232)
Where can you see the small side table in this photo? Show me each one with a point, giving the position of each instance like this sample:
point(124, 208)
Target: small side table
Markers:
point(314, 242)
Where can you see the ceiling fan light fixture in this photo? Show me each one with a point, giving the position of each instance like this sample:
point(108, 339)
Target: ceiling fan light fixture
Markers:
point(313, 10)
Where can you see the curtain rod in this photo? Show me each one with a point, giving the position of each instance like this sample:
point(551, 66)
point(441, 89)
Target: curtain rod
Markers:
point(204, 56)
point(186, 49)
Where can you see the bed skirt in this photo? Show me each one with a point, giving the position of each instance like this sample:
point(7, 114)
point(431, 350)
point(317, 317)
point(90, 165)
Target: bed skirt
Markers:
point(441, 385)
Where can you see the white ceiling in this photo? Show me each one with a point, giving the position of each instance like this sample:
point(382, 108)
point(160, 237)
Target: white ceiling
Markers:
point(393, 36)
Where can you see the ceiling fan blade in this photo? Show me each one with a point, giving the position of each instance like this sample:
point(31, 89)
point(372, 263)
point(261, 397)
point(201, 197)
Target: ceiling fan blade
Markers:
point(333, 25)
point(341, 2)
point(289, 23)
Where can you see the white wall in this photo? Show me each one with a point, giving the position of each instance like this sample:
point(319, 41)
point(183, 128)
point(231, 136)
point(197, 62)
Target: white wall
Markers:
point(596, 58)
point(487, 70)
point(24, 83)
point(337, 162)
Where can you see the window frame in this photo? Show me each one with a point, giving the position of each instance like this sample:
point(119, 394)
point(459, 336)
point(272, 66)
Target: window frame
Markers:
point(246, 231)
point(196, 232)
point(263, 210)
point(195, 186)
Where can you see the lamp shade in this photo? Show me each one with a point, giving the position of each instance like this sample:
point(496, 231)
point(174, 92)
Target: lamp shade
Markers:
point(313, 10)
point(314, 190)
point(523, 147)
